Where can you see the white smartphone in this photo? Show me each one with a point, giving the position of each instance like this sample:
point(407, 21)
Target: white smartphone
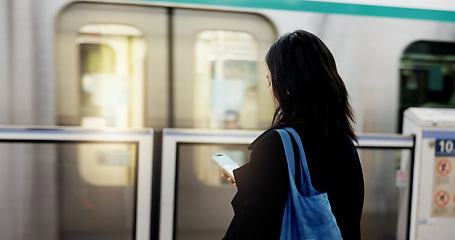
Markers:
point(226, 164)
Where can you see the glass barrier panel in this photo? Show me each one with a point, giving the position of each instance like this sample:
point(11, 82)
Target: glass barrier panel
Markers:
point(68, 190)
point(385, 207)
point(203, 208)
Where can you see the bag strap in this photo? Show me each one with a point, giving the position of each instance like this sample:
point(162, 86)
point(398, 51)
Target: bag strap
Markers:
point(303, 162)
point(306, 188)
point(289, 152)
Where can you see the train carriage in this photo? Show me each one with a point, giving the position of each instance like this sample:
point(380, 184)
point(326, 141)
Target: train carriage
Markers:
point(200, 65)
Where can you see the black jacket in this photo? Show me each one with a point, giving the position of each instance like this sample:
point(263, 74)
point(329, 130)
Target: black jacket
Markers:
point(263, 184)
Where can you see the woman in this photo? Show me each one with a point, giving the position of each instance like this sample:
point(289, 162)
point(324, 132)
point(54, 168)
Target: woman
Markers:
point(310, 97)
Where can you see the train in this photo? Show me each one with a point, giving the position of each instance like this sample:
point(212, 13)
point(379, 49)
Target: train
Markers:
point(198, 64)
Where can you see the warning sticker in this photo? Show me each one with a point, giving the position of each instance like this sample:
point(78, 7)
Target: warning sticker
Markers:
point(401, 178)
point(444, 167)
point(441, 198)
point(444, 179)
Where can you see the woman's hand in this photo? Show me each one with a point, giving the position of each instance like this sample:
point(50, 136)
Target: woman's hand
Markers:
point(224, 175)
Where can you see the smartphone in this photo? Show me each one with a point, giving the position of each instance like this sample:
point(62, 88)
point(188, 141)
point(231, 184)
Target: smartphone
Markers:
point(226, 164)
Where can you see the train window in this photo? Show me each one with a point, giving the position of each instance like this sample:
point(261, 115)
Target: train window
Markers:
point(219, 78)
point(226, 63)
point(112, 66)
point(111, 60)
point(427, 75)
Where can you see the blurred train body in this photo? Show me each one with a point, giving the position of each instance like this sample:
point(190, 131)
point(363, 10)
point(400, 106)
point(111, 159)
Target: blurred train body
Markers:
point(158, 64)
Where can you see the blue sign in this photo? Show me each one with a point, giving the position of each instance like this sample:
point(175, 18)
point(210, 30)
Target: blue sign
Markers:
point(445, 147)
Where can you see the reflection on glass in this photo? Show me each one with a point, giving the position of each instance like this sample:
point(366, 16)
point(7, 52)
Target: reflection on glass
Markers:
point(207, 171)
point(383, 198)
point(58, 192)
point(226, 80)
point(203, 209)
point(97, 183)
point(112, 58)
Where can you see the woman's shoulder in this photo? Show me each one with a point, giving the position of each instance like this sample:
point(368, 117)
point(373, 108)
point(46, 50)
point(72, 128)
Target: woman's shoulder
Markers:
point(268, 157)
point(268, 137)
point(311, 138)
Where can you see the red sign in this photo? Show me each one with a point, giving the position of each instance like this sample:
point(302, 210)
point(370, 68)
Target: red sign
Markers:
point(444, 167)
point(441, 198)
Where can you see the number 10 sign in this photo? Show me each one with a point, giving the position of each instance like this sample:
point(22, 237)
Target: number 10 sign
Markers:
point(445, 147)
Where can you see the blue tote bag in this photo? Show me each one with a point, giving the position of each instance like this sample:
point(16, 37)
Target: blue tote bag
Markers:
point(307, 214)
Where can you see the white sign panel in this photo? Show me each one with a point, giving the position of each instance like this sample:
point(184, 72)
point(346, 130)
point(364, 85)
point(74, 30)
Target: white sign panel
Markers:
point(444, 179)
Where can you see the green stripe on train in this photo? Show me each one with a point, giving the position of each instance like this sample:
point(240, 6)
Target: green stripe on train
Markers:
point(326, 7)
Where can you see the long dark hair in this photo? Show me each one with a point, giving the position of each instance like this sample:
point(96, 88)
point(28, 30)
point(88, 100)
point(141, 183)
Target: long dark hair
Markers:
point(306, 84)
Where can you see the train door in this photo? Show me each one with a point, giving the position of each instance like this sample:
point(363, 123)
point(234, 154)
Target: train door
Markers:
point(114, 68)
point(111, 62)
point(219, 82)
point(220, 69)
point(111, 66)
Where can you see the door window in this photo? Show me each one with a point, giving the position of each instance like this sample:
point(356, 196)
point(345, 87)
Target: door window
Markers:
point(226, 69)
point(112, 66)
point(111, 60)
point(219, 70)
point(427, 75)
